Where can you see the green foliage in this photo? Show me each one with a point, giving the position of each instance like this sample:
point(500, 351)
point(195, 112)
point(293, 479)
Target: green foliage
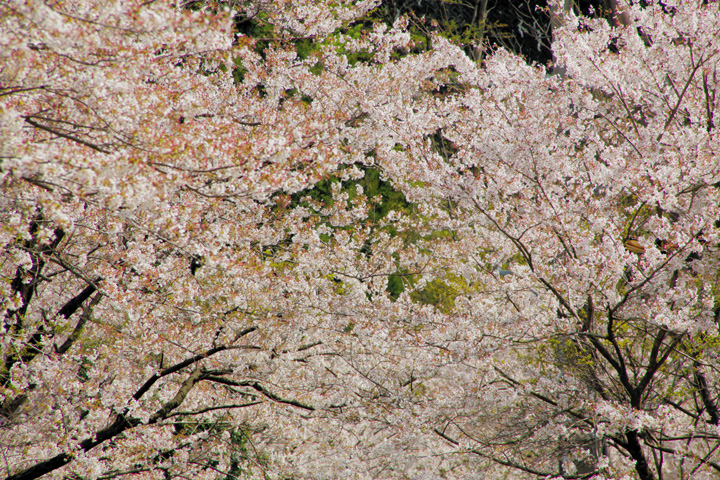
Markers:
point(442, 24)
point(396, 284)
point(83, 373)
point(355, 31)
point(440, 144)
point(386, 198)
point(238, 72)
point(382, 195)
point(567, 354)
point(382, 198)
point(304, 47)
point(440, 293)
point(317, 69)
point(243, 452)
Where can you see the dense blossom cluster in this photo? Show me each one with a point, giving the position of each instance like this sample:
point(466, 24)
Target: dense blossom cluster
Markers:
point(197, 281)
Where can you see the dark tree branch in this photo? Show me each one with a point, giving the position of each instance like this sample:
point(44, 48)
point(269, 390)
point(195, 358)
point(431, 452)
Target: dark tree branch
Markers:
point(681, 96)
point(122, 423)
point(179, 366)
point(512, 464)
point(589, 314)
point(616, 366)
point(71, 306)
point(620, 366)
point(19, 285)
point(219, 407)
point(27, 289)
point(701, 384)
point(652, 362)
point(634, 448)
point(560, 298)
point(87, 311)
point(178, 398)
point(256, 386)
point(66, 136)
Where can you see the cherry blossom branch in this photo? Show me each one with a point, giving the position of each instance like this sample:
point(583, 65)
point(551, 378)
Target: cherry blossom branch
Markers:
point(74, 303)
point(73, 138)
point(517, 466)
point(701, 383)
point(218, 407)
point(622, 134)
point(58, 260)
point(527, 255)
point(512, 464)
point(617, 364)
point(683, 438)
point(119, 473)
point(121, 424)
point(559, 297)
point(709, 100)
point(705, 460)
point(49, 186)
point(362, 278)
point(110, 26)
point(258, 387)
point(26, 291)
point(87, 310)
point(544, 398)
point(10, 91)
point(649, 277)
point(654, 363)
point(630, 115)
point(185, 363)
point(179, 396)
point(632, 220)
point(131, 471)
point(679, 407)
point(655, 446)
point(218, 195)
point(197, 171)
point(11, 404)
point(681, 96)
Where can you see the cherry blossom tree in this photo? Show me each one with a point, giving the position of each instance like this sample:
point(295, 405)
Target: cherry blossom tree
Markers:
point(200, 280)
point(176, 302)
point(600, 193)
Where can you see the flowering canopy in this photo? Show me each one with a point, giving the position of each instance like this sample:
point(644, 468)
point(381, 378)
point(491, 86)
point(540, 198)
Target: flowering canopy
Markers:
point(204, 274)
